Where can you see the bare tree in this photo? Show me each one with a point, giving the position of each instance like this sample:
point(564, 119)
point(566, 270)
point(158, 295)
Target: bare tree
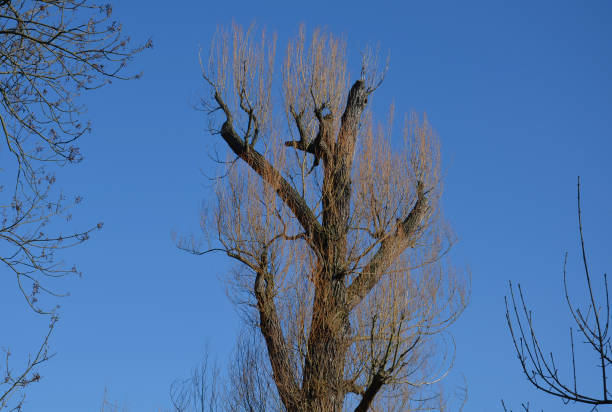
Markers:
point(245, 386)
point(199, 392)
point(50, 51)
point(250, 387)
point(337, 232)
point(109, 405)
point(592, 323)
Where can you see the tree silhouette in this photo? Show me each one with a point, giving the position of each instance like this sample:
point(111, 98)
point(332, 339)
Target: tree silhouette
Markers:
point(337, 234)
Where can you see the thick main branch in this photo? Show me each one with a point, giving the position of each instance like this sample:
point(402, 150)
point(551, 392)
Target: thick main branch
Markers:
point(271, 330)
point(271, 176)
point(377, 383)
point(390, 248)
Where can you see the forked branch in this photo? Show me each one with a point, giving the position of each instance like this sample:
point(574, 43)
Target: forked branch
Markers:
point(390, 248)
point(271, 176)
point(539, 368)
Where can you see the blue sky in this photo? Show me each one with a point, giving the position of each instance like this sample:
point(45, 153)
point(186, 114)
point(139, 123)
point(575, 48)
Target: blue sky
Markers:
point(520, 94)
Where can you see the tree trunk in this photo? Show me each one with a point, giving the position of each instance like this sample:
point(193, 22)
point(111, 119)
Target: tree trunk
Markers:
point(328, 342)
point(327, 345)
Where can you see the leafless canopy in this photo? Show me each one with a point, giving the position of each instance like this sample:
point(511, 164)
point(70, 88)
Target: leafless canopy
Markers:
point(336, 229)
point(50, 51)
point(592, 323)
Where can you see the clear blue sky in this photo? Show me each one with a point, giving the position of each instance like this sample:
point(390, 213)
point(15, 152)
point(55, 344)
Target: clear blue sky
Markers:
point(520, 94)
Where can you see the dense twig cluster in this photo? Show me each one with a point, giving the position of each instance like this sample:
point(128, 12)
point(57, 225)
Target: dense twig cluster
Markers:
point(246, 385)
point(199, 392)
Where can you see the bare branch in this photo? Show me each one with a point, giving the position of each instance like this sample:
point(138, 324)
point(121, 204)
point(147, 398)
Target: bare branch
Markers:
point(50, 52)
point(12, 384)
point(540, 370)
